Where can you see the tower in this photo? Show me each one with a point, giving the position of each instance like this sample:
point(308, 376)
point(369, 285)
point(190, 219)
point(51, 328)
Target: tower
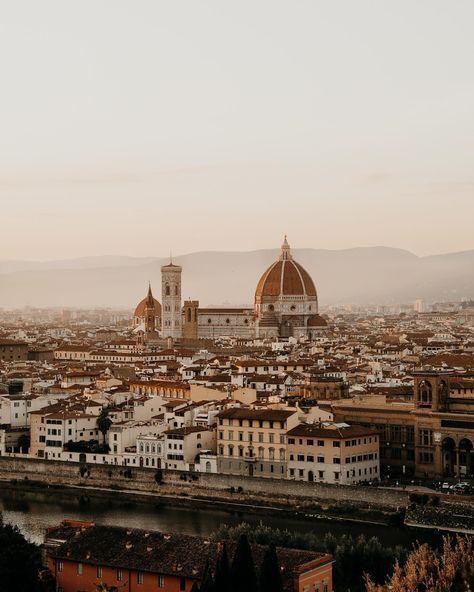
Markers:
point(149, 314)
point(190, 315)
point(171, 321)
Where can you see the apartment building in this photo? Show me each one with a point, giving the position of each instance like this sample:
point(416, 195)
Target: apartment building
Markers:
point(253, 441)
point(333, 453)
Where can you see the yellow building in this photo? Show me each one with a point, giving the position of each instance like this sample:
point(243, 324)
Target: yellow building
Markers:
point(333, 453)
point(253, 441)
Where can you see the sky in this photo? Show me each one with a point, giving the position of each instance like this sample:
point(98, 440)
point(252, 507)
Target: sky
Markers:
point(133, 128)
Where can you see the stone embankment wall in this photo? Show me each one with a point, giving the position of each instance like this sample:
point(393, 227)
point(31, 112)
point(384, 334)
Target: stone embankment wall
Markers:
point(295, 494)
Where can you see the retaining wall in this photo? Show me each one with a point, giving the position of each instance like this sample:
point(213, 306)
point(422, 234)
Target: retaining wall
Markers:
point(203, 485)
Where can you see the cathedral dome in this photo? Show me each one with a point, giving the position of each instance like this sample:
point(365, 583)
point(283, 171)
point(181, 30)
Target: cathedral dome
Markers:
point(317, 321)
point(285, 277)
point(140, 310)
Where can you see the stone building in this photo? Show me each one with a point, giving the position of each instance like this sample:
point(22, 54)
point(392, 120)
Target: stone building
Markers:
point(286, 305)
point(171, 325)
point(431, 436)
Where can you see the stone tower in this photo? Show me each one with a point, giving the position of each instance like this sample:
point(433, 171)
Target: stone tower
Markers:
point(171, 317)
point(190, 316)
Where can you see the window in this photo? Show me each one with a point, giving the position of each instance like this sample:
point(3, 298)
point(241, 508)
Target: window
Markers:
point(320, 442)
point(60, 566)
point(425, 437)
point(139, 577)
point(161, 581)
point(336, 444)
point(80, 569)
point(336, 461)
point(320, 459)
point(99, 571)
point(182, 584)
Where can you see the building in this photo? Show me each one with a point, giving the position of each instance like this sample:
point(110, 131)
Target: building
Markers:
point(83, 555)
point(286, 301)
point(139, 315)
point(333, 453)
point(171, 324)
point(253, 441)
point(184, 444)
point(286, 305)
point(431, 436)
point(13, 351)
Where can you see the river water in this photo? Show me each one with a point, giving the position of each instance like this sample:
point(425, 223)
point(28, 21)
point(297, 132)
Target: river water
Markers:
point(34, 511)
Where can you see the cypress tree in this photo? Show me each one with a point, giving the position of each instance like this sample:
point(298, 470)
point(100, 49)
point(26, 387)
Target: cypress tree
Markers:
point(243, 577)
point(207, 583)
point(222, 576)
point(270, 576)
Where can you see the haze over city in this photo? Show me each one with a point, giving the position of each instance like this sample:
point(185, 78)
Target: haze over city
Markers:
point(191, 126)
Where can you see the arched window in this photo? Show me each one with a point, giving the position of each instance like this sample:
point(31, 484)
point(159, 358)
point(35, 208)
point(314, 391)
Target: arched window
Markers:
point(167, 290)
point(271, 454)
point(209, 321)
point(282, 454)
point(141, 446)
point(425, 393)
point(189, 315)
point(176, 291)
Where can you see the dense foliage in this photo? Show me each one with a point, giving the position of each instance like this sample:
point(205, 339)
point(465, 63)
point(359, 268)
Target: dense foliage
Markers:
point(426, 570)
point(354, 557)
point(20, 562)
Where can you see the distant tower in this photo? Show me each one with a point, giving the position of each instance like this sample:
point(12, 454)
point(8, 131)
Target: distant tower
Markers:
point(190, 316)
point(171, 317)
point(149, 314)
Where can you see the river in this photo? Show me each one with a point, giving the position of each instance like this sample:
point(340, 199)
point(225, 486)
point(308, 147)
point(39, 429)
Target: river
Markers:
point(34, 511)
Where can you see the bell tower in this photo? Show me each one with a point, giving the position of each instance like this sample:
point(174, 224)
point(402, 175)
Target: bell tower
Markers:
point(171, 313)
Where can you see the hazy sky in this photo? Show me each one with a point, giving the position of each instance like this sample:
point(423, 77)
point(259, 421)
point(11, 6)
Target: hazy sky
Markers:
point(132, 127)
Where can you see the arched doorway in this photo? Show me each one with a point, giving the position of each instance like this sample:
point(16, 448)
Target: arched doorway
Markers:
point(250, 470)
point(449, 457)
point(310, 476)
point(465, 458)
point(208, 467)
point(141, 461)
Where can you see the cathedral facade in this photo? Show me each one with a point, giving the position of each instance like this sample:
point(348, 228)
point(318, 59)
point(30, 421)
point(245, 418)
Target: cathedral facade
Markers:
point(286, 305)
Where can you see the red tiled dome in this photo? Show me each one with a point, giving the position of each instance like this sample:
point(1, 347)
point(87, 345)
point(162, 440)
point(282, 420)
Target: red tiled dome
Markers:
point(285, 277)
point(140, 310)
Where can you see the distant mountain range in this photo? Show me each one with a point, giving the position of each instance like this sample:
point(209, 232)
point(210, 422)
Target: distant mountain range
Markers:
point(362, 275)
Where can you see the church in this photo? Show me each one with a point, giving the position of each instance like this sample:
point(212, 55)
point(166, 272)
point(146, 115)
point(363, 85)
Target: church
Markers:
point(285, 305)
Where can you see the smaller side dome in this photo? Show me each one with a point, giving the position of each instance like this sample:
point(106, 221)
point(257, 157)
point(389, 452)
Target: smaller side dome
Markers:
point(317, 321)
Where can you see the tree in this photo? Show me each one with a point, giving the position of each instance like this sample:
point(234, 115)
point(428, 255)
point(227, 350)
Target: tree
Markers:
point(270, 576)
point(428, 570)
point(222, 575)
point(243, 577)
point(207, 584)
point(20, 562)
point(104, 422)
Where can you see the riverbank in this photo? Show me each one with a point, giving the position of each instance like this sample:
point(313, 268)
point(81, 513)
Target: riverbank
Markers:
point(34, 508)
point(380, 505)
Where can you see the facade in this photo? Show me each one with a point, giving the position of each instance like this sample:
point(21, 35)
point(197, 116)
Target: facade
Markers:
point(253, 441)
point(83, 555)
point(333, 453)
point(183, 445)
point(171, 325)
point(431, 436)
point(13, 351)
